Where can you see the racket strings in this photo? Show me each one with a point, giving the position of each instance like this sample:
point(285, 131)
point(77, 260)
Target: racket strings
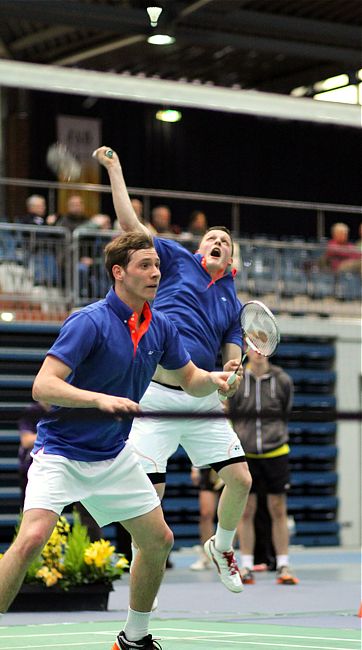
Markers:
point(260, 329)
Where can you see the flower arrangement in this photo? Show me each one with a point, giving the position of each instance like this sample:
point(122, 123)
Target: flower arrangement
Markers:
point(69, 559)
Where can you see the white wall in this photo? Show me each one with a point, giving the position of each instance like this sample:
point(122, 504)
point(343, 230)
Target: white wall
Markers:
point(347, 334)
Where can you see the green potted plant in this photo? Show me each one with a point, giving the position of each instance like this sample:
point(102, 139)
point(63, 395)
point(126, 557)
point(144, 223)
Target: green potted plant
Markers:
point(71, 573)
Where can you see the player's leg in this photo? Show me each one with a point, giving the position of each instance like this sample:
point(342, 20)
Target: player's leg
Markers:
point(208, 500)
point(246, 535)
point(35, 529)
point(237, 479)
point(277, 479)
point(155, 440)
point(213, 442)
point(154, 541)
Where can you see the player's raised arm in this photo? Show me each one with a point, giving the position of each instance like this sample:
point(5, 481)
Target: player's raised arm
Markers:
point(126, 215)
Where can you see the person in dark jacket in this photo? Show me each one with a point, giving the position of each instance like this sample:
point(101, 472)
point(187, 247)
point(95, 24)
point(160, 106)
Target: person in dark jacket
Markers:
point(265, 388)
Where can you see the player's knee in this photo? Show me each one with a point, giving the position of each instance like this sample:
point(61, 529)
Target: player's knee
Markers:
point(31, 542)
point(168, 540)
point(242, 480)
point(161, 543)
point(247, 479)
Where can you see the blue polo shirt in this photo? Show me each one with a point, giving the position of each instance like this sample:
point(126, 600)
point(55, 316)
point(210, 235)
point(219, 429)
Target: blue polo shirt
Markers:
point(206, 313)
point(96, 343)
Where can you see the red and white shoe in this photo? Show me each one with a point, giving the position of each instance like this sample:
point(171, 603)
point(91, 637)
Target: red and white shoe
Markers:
point(226, 565)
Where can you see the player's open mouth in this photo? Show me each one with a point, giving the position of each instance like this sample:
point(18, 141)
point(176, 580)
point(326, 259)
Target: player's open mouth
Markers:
point(216, 252)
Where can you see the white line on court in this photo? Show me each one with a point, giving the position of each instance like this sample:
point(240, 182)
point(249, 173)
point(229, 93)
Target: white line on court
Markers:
point(221, 641)
point(281, 636)
point(188, 630)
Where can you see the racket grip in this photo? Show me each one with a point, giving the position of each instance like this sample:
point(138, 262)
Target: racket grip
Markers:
point(230, 381)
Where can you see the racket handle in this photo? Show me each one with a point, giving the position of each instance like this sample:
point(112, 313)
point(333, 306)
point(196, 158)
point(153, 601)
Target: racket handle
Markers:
point(230, 381)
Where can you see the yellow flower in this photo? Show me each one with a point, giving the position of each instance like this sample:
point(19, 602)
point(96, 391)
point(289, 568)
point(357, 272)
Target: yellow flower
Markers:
point(122, 563)
point(49, 576)
point(99, 553)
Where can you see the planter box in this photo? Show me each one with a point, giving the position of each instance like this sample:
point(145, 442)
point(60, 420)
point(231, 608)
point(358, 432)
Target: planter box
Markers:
point(39, 598)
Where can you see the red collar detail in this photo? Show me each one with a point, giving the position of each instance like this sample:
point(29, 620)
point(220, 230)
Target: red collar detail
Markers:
point(219, 275)
point(136, 334)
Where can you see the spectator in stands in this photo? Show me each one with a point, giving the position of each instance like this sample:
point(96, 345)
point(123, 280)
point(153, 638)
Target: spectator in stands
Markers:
point(27, 427)
point(93, 281)
point(74, 215)
point(265, 387)
point(198, 224)
point(41, 246)
point(341, 254)
point(210, 486)
point(196, 229)
point(36, 209)
point(161, 221)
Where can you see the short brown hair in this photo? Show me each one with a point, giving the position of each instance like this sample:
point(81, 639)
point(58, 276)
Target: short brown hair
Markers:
point(120, 249)
point(224, 229)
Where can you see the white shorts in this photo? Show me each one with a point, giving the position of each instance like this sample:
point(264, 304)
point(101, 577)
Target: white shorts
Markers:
point(205, 441)
point(111, 490)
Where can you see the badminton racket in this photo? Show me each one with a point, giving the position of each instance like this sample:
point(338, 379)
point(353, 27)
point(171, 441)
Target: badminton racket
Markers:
point(63, 163)
point(260, 333)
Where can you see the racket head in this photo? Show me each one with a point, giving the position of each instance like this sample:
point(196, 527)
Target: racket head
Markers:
point(62, 162)
point(259, 327)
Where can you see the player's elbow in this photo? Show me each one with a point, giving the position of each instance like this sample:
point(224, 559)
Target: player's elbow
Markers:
point(38, 390)
point(36, 393)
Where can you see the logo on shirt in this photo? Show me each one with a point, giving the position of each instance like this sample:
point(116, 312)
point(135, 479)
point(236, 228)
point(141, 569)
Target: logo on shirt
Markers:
point(150, 352)
point(223, 298)
point(235, 450)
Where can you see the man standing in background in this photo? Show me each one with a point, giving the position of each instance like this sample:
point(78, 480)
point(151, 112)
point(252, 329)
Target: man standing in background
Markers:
point(267, 388)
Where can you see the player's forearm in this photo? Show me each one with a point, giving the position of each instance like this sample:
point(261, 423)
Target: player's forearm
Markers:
point(126, 216)
point(58, 392)
point(198, 383)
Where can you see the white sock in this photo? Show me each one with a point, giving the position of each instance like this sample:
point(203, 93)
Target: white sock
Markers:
point(136, 625)
point(247, 561)
point(282, 560)
point(224, 539)
point(134, 555)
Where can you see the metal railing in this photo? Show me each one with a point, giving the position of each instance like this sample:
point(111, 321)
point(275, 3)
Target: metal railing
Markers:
point(319, 210)
point(45, 272)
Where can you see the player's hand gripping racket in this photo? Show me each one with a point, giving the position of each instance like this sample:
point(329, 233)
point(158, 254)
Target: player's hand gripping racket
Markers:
point(260, 333)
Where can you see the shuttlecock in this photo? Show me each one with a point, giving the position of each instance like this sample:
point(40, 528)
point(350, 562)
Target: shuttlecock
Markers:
point(154, 14)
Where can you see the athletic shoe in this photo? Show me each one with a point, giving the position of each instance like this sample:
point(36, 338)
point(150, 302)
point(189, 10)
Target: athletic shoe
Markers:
point(285, 576)
point(202, 564)
point(147, 643)
point(247, 576)
point(226, 565)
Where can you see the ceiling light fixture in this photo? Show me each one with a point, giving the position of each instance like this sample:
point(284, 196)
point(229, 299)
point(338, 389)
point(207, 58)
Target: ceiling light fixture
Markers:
point(161, 39)
point(154, 14)
point(168, 115)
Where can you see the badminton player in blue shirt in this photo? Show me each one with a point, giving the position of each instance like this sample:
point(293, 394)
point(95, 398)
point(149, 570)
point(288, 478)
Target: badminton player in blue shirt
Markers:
point(103, 360)
point(197, 293)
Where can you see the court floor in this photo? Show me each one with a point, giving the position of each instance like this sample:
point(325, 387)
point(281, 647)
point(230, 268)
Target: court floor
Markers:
point(180, 635)
point(196, 611)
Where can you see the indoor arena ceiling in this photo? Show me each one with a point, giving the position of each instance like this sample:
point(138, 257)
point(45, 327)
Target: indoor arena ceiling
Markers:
point(269, 45)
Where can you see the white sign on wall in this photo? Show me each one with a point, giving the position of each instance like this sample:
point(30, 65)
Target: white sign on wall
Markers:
point(81, 135)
